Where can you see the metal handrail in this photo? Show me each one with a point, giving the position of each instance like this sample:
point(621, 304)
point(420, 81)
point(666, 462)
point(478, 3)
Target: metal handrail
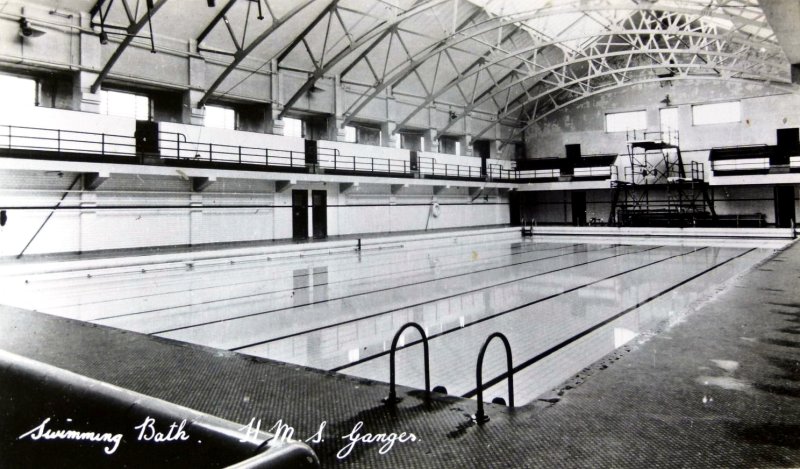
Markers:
point(392, 399)
point(59, 140)
point(176, 145)
point(480, 416)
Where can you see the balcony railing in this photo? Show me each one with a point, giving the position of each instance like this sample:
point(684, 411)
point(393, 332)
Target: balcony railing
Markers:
point(175, 146)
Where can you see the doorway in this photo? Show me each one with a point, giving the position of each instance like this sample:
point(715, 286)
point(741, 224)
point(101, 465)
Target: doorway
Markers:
point(299, 214)
point(784, 206)
point(579, 208)
point(319, 214)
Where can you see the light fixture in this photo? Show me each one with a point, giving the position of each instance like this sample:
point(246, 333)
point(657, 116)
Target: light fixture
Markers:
point(666, 101)
point(26, 30)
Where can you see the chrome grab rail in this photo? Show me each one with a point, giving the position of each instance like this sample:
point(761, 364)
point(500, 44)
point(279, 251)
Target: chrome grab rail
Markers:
point(480, 416)
point(392, 399)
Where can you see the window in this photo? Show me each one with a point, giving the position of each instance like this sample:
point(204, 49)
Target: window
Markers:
point(368, 135)
point(669, 119)
point(412, 141)
point(17, 92)
point(622, 121)
point(292, 127)
point(350, 134)
point(449, 145)
point(717, 113)
point(218, 116)
point(118, 103)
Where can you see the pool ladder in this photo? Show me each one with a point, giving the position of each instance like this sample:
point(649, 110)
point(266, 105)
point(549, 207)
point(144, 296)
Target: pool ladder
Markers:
point(480, 416)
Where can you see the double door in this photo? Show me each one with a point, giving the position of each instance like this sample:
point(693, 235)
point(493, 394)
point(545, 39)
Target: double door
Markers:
point(319, 214)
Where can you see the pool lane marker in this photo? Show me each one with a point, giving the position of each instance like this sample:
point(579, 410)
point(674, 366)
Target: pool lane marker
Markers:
point(421, 282)
point(511, 310)
point(351, 279)
point(249, 264)
point(505, 282)
point(597, 326)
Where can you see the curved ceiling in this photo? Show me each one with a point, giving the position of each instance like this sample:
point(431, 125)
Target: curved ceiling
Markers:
point(514, 60)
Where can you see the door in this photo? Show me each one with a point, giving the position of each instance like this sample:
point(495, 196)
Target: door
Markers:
point(579, 208)
point(319, 214)
point(299, 214)
point(784, 206)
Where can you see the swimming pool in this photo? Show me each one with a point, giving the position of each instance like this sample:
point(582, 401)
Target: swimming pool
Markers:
point(563, 303)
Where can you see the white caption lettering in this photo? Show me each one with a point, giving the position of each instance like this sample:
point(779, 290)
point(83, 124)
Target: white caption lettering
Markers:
point(147, 431)
point(388, 440)
point(41, 432)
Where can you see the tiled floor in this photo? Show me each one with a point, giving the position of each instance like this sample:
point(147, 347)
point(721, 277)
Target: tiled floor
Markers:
point(719, 388)
point(562, 305)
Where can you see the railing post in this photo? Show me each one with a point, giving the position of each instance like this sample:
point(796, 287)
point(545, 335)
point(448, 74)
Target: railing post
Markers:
point(102, 144)
point(266, 157)
point(372, 165)
point(9, 136)
point(240, 154)
point(178, 144)
point(210, 151)
point(393, 399)
point(480, 416)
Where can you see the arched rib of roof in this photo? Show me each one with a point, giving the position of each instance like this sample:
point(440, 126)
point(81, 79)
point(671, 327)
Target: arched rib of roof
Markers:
point(497, 90)
point(472, 31)
point(785, 86)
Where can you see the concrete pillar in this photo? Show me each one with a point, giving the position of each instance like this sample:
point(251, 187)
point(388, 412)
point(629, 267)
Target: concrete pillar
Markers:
point(496, 150)
point(195, 219)
point(431, 138)
point(86, 221)
point(389, 134)
point(466, 145)
point(335, 129)
point(275, 124)
point(91, 64)
point(193, 114)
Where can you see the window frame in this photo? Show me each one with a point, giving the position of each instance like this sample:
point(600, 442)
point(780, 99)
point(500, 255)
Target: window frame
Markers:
point(738, 120)
point(235, 125)
point(638, 111)
point(135, 94)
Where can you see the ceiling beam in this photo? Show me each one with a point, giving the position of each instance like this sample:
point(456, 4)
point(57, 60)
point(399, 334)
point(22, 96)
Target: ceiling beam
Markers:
point(242, 54)
point(494, 23)
point(220, 15)
point(379, 31)
point(131, 31)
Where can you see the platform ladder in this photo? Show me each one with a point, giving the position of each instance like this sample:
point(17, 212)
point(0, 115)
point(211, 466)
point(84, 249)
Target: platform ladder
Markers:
point(657, 189)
